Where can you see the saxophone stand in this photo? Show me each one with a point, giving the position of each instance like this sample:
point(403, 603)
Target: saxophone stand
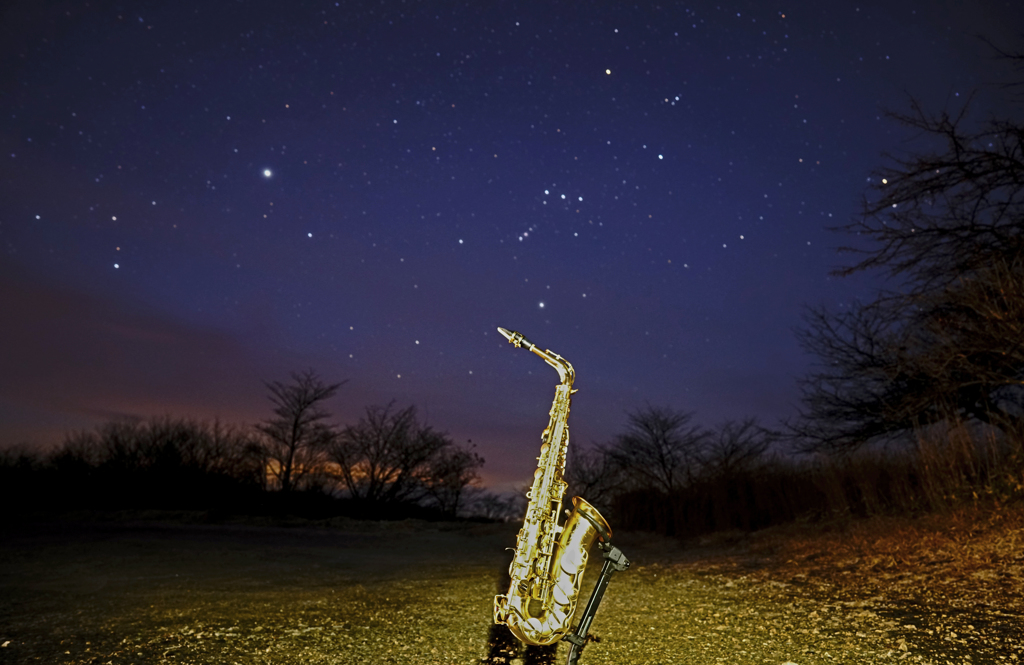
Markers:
point(614, 561)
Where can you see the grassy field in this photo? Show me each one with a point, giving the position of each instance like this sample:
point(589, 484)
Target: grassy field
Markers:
point(169, 591)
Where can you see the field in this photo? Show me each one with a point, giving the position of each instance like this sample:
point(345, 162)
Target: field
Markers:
point(181, 591)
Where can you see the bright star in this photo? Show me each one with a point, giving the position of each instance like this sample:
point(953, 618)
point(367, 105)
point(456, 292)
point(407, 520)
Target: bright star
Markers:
point(267, 173)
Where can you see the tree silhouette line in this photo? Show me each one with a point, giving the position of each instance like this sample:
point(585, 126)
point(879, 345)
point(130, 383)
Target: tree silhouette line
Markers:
point(387, 465)
point(665, 473)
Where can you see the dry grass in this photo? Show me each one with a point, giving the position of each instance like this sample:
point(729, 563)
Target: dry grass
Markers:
point(950, 579)
point(970, 549)
point(134, 592)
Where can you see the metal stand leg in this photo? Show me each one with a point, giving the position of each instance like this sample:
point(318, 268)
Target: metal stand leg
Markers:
point(614, 561)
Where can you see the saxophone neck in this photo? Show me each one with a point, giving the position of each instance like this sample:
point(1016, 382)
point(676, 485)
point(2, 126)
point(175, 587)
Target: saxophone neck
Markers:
point(566, 374)
point(564, 368)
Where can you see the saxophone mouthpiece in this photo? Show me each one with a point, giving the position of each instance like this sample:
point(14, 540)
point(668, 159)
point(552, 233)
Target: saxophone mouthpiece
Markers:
point(515, 338)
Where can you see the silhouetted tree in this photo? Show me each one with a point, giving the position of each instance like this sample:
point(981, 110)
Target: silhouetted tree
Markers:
point(660, 449)
point(944, 343)
point(509, 506)
point(294, 442)
point(735, 447)
point(21, 472)
point(390, 457)
point(450, 473)
point(592, 474)
point(159, 443)
point(162, 462)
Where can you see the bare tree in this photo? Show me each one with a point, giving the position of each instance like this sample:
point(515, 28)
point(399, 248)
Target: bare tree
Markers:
point(507, 507)
point(660, 449)
point(736, 446)
point(592, 474)
point(946, 226)
point(294, 442)
point(450, 473)
point(161, 462)
point(387, 455)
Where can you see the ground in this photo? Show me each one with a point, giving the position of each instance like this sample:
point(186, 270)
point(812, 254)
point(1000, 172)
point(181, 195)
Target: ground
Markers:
point(940, 589)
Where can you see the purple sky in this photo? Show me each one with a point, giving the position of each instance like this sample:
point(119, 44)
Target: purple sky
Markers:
point(198, 197)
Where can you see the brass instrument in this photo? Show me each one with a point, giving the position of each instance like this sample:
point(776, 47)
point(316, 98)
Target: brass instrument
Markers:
point(550, 559)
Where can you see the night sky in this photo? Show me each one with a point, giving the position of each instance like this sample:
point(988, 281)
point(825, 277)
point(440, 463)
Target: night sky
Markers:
point(197, 197)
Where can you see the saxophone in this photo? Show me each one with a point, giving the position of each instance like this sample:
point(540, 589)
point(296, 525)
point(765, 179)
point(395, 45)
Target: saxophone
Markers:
point(549, 559)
